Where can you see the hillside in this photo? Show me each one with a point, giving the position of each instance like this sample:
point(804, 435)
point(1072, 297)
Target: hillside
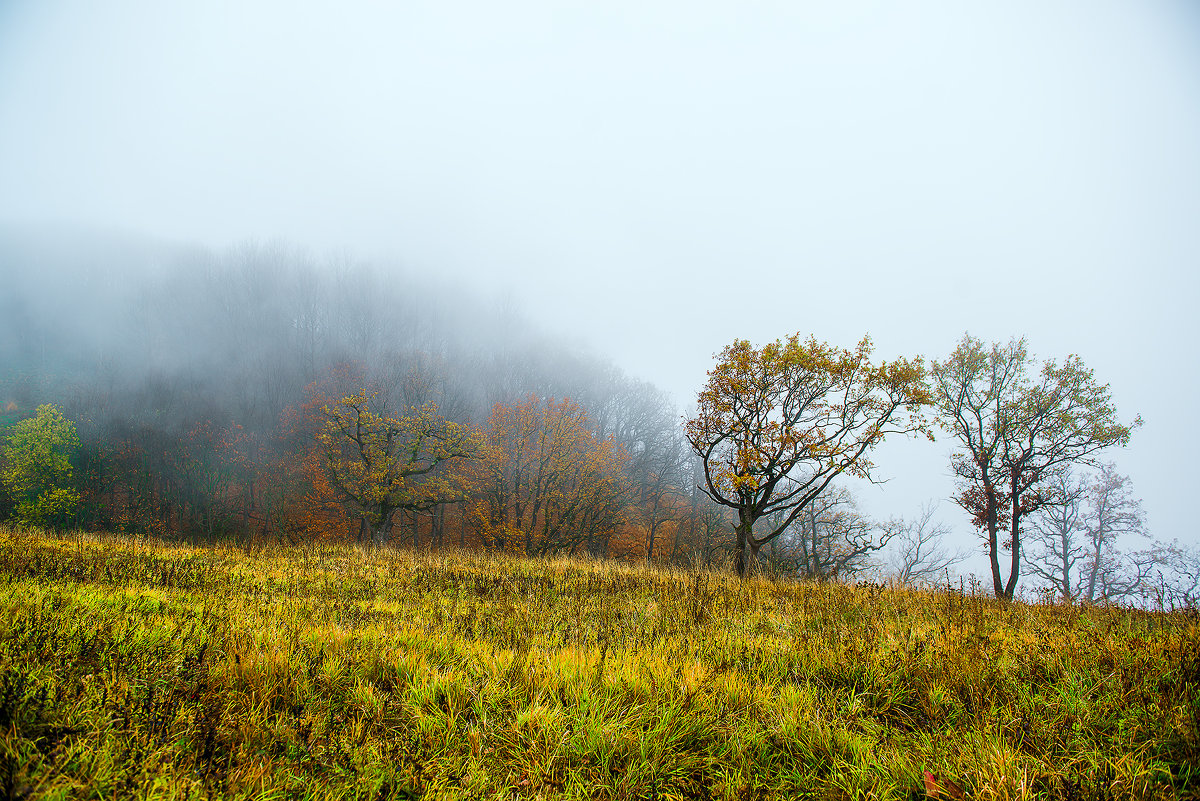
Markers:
point(133, 668)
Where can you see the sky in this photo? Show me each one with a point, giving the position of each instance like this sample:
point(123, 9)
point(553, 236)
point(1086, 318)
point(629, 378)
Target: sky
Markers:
point(655, 178)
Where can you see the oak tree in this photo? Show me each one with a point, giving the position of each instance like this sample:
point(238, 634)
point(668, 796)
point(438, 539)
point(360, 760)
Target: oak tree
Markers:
point(1018, 425)
point(775, 425)
point(381, 464)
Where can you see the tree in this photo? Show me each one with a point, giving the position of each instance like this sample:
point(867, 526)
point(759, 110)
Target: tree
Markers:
point(1059, 543)
point(1080, 536)
point(920, 555)
point(1113, 513)
point(661, 493)
point(830, 538)
point(545, 483)
point(382, 464)
point(37, 468)
point(1174, 581)
point(1016, 432)
point(775, 425)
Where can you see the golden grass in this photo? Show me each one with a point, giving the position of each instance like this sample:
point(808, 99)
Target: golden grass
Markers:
point(134, 668)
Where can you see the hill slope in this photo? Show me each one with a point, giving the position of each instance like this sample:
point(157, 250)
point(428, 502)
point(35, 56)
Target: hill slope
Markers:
point(133, 668)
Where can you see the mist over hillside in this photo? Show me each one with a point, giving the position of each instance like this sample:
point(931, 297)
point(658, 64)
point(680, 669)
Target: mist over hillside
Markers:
point(125, 328)
point(198, 379)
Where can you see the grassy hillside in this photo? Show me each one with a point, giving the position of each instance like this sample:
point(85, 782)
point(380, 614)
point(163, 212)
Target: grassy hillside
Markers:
point(136, 669)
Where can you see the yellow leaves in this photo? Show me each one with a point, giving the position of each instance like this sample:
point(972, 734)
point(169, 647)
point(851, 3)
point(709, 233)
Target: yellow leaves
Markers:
point(384, 463)
point(799, 404)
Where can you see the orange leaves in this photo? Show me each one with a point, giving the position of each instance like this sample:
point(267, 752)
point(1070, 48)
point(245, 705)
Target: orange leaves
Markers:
point(941, 788)
point(544, 481)
point(765, 411)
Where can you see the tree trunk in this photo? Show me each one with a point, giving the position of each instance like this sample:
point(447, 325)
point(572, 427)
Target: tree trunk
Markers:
point(993, 529)
point(1014, 572)
point(381, 533)
point(1067, 594)
point(747, 548)
point(1094, 574)
point(650, 542)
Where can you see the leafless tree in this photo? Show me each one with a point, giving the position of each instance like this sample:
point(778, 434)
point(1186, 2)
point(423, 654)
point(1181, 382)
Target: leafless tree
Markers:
point(1114, 513)
point(1078, 539)
point(1174, 580)
point(920, 554)
point(830, 539)
point(1058, 542)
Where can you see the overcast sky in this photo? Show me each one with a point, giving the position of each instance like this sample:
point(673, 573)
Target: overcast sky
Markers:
point(658, 177)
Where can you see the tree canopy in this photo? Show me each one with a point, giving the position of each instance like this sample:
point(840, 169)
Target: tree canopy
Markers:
point(775, 425)
point(380, 464)
point(37, 469)
point(545, 482)
point(1018, 425)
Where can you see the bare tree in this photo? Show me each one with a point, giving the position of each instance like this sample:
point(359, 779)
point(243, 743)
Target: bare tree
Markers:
point(829, 539)
point(920, 555)
point(1113, 513)
point(708, 525)
point(1077, 538)
point(1058, 542)
point(1174, 580)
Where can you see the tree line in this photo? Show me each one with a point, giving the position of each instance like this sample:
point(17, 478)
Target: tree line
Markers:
point(260, 394)
point(777, 424)
point(225, 394)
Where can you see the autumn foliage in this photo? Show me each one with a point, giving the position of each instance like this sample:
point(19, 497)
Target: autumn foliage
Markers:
point(775, 425)
point(1018, 427)
point(545, 483)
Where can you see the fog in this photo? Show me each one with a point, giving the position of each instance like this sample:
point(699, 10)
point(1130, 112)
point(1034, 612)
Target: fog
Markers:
point(646, 182)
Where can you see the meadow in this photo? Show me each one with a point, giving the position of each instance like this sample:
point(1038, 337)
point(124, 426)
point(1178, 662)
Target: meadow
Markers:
point(141, 669)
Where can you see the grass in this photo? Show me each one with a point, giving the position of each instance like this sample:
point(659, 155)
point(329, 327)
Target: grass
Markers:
point(133, 668)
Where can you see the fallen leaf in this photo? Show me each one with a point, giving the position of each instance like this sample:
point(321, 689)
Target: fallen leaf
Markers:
point(931, 785)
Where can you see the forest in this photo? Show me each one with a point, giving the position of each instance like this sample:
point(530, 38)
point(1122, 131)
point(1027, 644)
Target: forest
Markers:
point(263, 395)
point(202, 388)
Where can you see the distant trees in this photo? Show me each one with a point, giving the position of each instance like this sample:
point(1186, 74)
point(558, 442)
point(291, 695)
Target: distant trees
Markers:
point(920, 555)
point(380, 464)
point(775, 425)
point(1018, 426)
point(36, 469)
point(1076, 542)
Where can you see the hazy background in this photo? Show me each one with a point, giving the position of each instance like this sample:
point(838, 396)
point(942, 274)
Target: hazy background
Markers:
point(656, 179)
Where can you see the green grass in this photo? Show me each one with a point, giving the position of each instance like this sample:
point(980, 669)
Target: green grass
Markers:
point(135, 669)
